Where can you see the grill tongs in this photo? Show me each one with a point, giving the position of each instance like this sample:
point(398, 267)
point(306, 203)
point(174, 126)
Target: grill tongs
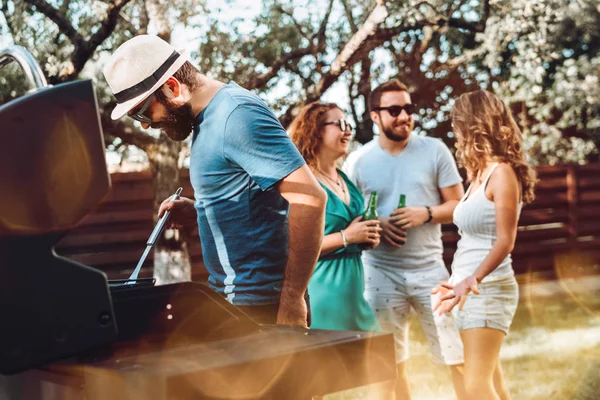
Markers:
point(152, 239)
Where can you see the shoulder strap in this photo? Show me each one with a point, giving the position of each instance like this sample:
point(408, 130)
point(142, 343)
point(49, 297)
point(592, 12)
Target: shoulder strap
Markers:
point(468, 191)
point(487, 179)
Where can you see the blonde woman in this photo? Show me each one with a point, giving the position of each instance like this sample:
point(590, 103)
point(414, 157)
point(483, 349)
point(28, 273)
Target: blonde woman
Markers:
point(489, 148)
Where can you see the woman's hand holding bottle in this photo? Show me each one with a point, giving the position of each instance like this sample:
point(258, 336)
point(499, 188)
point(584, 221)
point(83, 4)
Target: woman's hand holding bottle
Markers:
point(367, 232)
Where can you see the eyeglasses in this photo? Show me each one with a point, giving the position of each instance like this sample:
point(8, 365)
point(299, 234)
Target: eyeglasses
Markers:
point(396, 110)
point(139, 114)
point(342, 123)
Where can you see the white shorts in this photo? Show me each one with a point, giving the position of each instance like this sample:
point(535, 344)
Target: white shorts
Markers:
point(494, 307)
point(391, 293)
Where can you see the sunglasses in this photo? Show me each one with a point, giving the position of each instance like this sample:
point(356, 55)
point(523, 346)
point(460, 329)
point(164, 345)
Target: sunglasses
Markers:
point(342, 123)
point(394, 111)
point(139, 114)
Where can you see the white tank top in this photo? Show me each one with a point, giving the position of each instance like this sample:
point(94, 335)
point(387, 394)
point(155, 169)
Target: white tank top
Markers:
point(475, 217)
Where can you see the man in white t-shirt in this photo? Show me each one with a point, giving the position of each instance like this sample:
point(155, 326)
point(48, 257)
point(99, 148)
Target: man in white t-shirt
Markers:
point(408, 264)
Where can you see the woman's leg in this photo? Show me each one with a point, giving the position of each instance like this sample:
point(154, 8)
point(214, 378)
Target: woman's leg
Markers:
point(458, 380)
point(500, 383)
point(482, 353)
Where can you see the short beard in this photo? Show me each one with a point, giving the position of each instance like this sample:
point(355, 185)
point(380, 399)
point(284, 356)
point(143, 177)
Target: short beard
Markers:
point(179, 122)
point(389, 132)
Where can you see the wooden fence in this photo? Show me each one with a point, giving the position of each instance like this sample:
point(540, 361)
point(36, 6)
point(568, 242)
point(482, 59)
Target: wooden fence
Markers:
point(565, 217)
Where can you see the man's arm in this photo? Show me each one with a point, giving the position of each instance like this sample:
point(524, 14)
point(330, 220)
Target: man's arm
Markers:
point(410, 217)
point(451, 195)
point(306, 226)
point(452, 190)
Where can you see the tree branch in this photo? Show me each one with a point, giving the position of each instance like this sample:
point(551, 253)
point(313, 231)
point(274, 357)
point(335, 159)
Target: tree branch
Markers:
point(486, 11)
point(369, 37)
point(83, 49)
point(351, 89)
point(107, 27)
point(428, 34)
point(64, 7)
point(364, 130)
point(350, 51)
point(349, 17)
point(128, 26)
point(144, 20)
point(383, 35)
point(477, 26)
point(127, 133)
point(426, 3)
point(341, 63)
point(464, 58)
point(321, 33)
point(60, 19)
point(460, 23)
point(299, 27)
point(259, 81)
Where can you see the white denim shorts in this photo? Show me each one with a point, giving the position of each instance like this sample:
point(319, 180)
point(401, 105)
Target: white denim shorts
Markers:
point(392, 293)
point(494, 307)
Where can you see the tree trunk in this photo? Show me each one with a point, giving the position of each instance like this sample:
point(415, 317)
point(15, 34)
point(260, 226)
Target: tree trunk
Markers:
point(171, 257)
point(364, 130)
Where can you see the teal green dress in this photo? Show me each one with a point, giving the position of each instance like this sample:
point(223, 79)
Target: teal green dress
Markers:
point(337, 285)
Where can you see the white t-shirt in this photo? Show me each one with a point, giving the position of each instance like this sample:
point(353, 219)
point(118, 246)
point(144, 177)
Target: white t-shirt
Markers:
point(419, 171)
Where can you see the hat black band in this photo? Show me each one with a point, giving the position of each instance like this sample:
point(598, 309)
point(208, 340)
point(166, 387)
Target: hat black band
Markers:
point(148, 83)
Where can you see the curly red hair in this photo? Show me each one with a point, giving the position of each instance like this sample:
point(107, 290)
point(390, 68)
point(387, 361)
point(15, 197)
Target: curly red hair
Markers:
point(305, 130)
point(486, 129)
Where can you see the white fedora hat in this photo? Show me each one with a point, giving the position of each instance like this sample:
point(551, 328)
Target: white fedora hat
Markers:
point(138, 68)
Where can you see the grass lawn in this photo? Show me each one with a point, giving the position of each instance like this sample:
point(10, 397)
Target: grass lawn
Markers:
point(552, 351)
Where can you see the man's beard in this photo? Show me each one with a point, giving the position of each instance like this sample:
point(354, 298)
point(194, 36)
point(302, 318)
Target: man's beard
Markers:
point(179, 121)
point(397, 136)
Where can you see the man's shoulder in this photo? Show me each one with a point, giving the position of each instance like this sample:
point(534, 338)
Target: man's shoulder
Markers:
point(425, 140)
point(430, 143)
point(238, 96)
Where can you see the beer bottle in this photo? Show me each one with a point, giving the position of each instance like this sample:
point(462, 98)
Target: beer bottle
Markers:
point(402, 201)
point(371, 212)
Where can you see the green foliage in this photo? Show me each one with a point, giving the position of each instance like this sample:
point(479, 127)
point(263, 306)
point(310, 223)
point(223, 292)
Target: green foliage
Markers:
point(241, 49)
point(542, 57)
point(547, 54)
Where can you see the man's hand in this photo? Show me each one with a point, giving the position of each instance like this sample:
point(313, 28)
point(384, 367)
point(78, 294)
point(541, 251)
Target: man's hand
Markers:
point(409, 217)
point(372, 244)
point(292, 310)
point(183, 212)
point(391, 233)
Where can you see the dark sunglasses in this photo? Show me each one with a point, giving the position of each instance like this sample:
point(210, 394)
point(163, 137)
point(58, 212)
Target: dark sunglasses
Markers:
point(139, 114)
point(394, 111)
point(342, 123)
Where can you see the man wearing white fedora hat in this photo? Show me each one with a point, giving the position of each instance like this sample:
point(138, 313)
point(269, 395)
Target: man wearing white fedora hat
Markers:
point(259, 209)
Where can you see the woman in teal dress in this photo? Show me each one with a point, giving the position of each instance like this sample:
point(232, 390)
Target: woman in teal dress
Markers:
point(336, 288)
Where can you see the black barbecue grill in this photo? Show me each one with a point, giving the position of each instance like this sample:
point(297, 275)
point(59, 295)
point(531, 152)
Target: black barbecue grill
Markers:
point(69, 333)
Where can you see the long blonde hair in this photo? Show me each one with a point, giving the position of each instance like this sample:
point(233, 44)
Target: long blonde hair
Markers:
point(486, 129)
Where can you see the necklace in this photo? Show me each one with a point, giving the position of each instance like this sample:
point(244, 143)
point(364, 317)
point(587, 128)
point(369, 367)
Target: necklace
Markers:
point(337, 181)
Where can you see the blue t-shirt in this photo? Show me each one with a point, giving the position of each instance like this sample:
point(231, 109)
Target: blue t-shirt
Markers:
point(239, 152)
